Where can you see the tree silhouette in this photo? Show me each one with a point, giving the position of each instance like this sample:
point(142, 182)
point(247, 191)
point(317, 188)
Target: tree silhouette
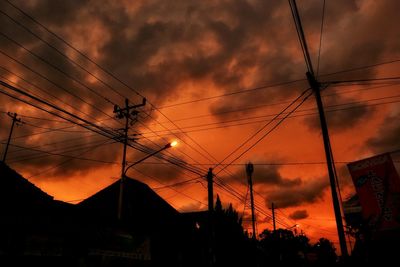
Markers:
point(231, 243)
point(282, 247)
point(326, 252)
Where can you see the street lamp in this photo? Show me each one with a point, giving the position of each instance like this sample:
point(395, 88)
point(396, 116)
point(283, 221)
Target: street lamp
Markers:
point(121, 188)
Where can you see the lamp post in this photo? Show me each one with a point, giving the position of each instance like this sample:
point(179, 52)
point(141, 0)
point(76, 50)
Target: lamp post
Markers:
point(121, 188)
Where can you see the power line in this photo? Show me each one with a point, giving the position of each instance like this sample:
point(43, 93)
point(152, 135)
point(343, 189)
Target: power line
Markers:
point(55, 84)
point(69, 160)
point(122, 82)
point(395, 78)
point(171, 160)
point(362, 67)
point(103, 69)
point(44, 91)
point(320, 36)
point(264, 116)
point(54, 129)
point(165, 140)
point(238, 196)
point(268, 132)
point(59, 142)
point(71, 46)
point(61, 154)
point(43, 132)
point(112, 76)
point(55, 67)
point(94, 127)
point(256, 164)
point(165, 116)
point(61, 53)
point(242, 199)
point(277, 84)
point(300, 35)
point(261, 129)
point(243, 91)
point(280, 103)
point(157, 180)
point(146, 150)
point(229, 189)
point(185, 182)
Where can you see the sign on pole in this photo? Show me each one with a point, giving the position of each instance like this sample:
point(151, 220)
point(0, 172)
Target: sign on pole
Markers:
point(378, 187)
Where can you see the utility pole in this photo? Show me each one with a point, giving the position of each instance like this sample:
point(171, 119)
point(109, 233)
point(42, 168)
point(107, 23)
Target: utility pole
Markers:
point(249, 171)
point(316, 87)
point(210, 191)
point(14, 120)
point(273, 215)
point(211, 217)
point(332, 179)
point(129, 120)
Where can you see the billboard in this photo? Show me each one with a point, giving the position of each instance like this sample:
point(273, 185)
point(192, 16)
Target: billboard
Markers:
point(378, 188)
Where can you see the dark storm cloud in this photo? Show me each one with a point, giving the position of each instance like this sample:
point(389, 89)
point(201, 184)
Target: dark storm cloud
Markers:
point(43, 58)
point(57, 13)
point(298, 215)
point(162, 172)
point(341, 117)
point(362, 48)
point(157, 46)
point(80, 145)
point(233, 27)
point(269, 175)
point(308, 192)
point(369, 34)
point(387, 138)
point(242, 29)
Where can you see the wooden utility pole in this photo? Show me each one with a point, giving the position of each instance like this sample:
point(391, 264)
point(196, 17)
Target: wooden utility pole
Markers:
point(14, 120)
point(129, 118)
point(316, 87)
point(249, 171)
point(210, 217)
point(210, 191)
point(273, 215)
point(329, 162)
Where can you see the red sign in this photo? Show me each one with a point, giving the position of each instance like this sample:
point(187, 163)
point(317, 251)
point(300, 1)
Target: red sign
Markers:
point(378, 187)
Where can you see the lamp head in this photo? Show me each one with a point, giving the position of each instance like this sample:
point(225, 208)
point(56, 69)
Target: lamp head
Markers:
point(172, 144)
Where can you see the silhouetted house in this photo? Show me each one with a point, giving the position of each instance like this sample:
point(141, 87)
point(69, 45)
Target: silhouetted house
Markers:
point(149, 232)
point(34, 228)
point(32, 224)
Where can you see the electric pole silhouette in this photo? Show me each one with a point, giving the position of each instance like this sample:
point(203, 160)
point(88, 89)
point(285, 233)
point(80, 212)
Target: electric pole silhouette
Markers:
point(15, 120)
point(130, 118)
point(211, 252)
point(249, 171)
point(316, 87)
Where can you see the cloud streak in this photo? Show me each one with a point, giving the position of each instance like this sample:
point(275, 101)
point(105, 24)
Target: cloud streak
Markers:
point(307, 193)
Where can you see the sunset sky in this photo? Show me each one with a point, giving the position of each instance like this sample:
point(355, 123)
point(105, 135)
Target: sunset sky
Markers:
point(214, 73)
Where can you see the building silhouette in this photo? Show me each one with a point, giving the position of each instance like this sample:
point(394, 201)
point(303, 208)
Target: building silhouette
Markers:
point(36, 229)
